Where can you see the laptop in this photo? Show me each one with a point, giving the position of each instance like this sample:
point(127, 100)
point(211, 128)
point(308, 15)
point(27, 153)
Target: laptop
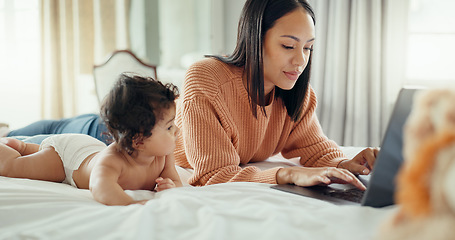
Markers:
point(381, 182)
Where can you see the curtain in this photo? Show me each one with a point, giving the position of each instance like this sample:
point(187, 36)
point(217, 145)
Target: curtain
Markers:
point(76, 34)
point(358, 66)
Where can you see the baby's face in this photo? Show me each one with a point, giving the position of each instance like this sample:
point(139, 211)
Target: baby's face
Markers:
point(164, 134)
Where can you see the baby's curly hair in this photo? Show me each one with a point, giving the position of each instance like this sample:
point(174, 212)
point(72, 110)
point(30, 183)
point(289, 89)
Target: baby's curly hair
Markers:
point(133, 106)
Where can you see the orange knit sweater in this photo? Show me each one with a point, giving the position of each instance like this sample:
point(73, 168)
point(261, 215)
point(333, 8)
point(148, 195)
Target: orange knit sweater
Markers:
point(219, 131)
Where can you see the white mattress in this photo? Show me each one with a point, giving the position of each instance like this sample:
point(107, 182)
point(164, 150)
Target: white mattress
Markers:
point(31, 209)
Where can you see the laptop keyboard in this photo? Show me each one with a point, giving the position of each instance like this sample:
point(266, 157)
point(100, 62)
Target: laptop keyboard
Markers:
point(353, 194)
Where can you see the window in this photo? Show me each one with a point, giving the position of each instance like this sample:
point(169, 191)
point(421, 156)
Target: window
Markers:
point(19, 62)
point(431, 39)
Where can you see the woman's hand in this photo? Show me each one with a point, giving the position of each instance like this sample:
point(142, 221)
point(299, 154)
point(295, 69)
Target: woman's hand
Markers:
point(309, 176)
point(163, 184)
point(362, 163)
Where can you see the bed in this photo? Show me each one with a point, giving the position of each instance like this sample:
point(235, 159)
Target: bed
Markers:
point(31, 209)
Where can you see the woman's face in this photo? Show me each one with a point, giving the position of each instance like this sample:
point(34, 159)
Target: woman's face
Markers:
point(286, 50)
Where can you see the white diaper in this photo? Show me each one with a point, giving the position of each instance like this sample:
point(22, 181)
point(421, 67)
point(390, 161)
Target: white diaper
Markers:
point(73, 149)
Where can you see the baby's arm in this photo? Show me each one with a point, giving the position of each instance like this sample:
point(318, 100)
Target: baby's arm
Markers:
point(169, 177)
point(104, 185)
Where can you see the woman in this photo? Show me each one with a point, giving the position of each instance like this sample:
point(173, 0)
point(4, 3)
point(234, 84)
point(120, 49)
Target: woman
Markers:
point(257, 102)
point(90, 124)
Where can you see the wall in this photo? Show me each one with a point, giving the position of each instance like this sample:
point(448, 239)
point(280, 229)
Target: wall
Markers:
point(232, 8)
point(173, 34)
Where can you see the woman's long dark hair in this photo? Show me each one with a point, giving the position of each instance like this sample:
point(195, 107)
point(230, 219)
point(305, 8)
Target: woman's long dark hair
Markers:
point(257, 17)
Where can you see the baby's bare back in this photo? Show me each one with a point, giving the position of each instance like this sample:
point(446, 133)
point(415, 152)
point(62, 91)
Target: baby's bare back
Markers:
point(135, 172)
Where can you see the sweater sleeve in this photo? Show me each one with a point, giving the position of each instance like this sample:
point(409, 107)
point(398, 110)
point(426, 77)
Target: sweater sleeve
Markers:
point(209, 140)
point(210, 150)
point(308, 142)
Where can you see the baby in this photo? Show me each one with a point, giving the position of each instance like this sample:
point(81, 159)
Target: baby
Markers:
point(139, 114)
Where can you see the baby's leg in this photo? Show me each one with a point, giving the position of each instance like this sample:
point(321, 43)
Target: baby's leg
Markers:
point(20, 146)
point(42, 165)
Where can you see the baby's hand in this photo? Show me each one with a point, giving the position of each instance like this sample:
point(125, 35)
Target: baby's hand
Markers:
point(163, 184)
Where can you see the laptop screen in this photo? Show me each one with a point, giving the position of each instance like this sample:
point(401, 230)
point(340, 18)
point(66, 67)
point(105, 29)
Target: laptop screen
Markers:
point(381, 189)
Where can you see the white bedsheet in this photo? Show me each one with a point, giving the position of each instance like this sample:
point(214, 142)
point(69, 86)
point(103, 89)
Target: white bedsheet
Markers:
point(31, 209)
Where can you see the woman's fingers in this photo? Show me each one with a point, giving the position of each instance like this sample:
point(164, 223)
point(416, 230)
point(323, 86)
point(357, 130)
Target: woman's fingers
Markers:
point(303, 176)
point(368, 156)
point(336, 174)
point(362, 163)
point(360, 169)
